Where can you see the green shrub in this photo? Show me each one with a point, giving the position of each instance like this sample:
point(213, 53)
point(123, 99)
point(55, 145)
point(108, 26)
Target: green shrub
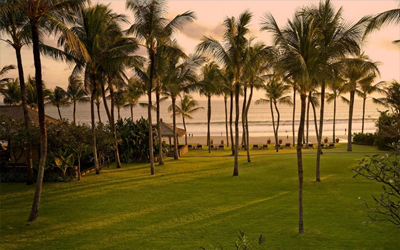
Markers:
point(364, 139)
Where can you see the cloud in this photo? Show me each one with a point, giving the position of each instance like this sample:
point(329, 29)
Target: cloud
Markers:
point(197, 30)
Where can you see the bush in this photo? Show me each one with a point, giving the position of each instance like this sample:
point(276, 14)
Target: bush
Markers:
point(364, 139)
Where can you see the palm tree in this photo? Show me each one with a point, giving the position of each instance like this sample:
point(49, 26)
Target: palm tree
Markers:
point(11, 93)
point(59, 98)
point(336, 86)
point(120, 101)
point(208, 87)
point(134, 92)
point(187, 107)
point(4, 71)
point(357, 71)
point(98, 99)
point(392, 98)
point(338, 39)
point(298, 43)
point(275, 93)
point(233, 56)
point(31, 93)
point(76, 93)
point(364, 91)
point(152, 27)
point(384, 18)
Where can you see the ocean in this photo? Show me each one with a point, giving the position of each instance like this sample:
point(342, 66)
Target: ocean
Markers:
point(260, 123)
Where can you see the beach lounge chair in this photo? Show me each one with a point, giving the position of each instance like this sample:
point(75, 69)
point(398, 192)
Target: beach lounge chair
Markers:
point(221, 146)
point(287, 145)
point(323, 145)
point(311, 145)
point(190, 146)
point(264, 146)
point(199, 146)
point(255, 146)
point(212, 147)
point(331, 145)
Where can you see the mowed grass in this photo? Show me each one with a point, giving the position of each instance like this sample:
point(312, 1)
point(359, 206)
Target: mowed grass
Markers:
point(196, 202)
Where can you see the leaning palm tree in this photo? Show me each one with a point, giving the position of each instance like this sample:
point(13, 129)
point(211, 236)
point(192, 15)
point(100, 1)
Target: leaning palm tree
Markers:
point(384, 18)
point(76, 93)
point(186, 109)
point(232, 55)
point(364, 91)
point(59, 98)
point(11, 92)
point(43, 16)
point(275, 93)
point(154, 30)
point(357, 71)
point(298, 43)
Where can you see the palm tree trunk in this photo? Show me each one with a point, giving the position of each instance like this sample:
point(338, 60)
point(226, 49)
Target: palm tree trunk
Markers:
point(208, 123)
point(152, 68)
point(236, 162)
point(308, 117)
point(74, 113)
point(176, 155)
point(59, 112)
point(184, 126)
point(363, 116)
point(300, 133)
point(119, 112)
point(334, 119)
point(131, 112)
point(277, 122)
point(273, 127)
point(315, 121)
point(79, 168)
point(160, 149)
point(294, 116)
point(247, 122)
point(98, 111)
point(103, 94)
point(321, 125)
point(351, 107)
point(244, 141)
point(42, 123)
point(113, 127)
point(230, 124)
point(96, 162)
point(226, 120)
point(29, 170)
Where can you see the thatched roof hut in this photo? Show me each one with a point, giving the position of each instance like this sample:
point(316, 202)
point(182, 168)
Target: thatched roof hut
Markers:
point(17, 113)
point(167, 130)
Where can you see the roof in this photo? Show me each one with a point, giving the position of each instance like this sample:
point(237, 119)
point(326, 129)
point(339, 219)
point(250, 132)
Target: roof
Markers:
point(167, 130)
point(16, 112)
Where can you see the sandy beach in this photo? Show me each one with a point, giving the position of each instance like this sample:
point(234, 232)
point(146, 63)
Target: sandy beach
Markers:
point(254, 139)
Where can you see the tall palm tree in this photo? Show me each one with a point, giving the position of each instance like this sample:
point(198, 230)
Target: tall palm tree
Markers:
point(208, 87)
point(76, 93)
point(11, 92)
point(232, 54)
point(154, 30)
point(364, 91)
point(134, 92)
point(384, 18)
point(338, 39)
point(59, 98)
point(298, 43)
point(98, 99)
point(120, 101)
point(275, 92)
point(357, 71)
point(336, 86)
point(44, 16)
point(31, 93)
point(186, 109)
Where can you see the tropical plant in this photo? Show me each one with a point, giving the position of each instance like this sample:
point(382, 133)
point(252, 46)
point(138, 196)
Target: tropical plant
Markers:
point(59, 98)
point(186, 109)
point(11, 92)
point(134, 92)
point(76, 93)
point(357, 71)
point(275, 94)
point(4, 71)
point(336, 87)
point(155, 31)
point(232, 55)
point(119, 100)
point(31, 93)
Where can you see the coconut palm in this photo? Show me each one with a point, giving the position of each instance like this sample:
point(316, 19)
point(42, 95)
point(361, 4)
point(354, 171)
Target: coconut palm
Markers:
point(186, 109)
point(275, 92)
point(59, 98)
point(152, 27)
point(336, 86)
point(134, 92)
point(392, 98)
point(364, 91)
point(4, 71)
point(384, 18)
point(76, 93)
point(11, 92)
point(208, 87)
point(298, 43)
point(98, 99)
point(357, 71)
point(31, 93)
point(120, 101)
point(232, 55)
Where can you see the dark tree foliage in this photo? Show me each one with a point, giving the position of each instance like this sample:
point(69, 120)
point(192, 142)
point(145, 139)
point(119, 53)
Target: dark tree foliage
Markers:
point(134, 140)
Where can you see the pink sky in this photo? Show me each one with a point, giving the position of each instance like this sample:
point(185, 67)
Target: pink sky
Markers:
point(210, 15)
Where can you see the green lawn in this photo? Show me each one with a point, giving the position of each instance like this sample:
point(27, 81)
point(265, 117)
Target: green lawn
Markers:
point(196, 202)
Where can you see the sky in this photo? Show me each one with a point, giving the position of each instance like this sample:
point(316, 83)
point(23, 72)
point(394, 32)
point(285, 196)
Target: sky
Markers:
point(210, 15)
